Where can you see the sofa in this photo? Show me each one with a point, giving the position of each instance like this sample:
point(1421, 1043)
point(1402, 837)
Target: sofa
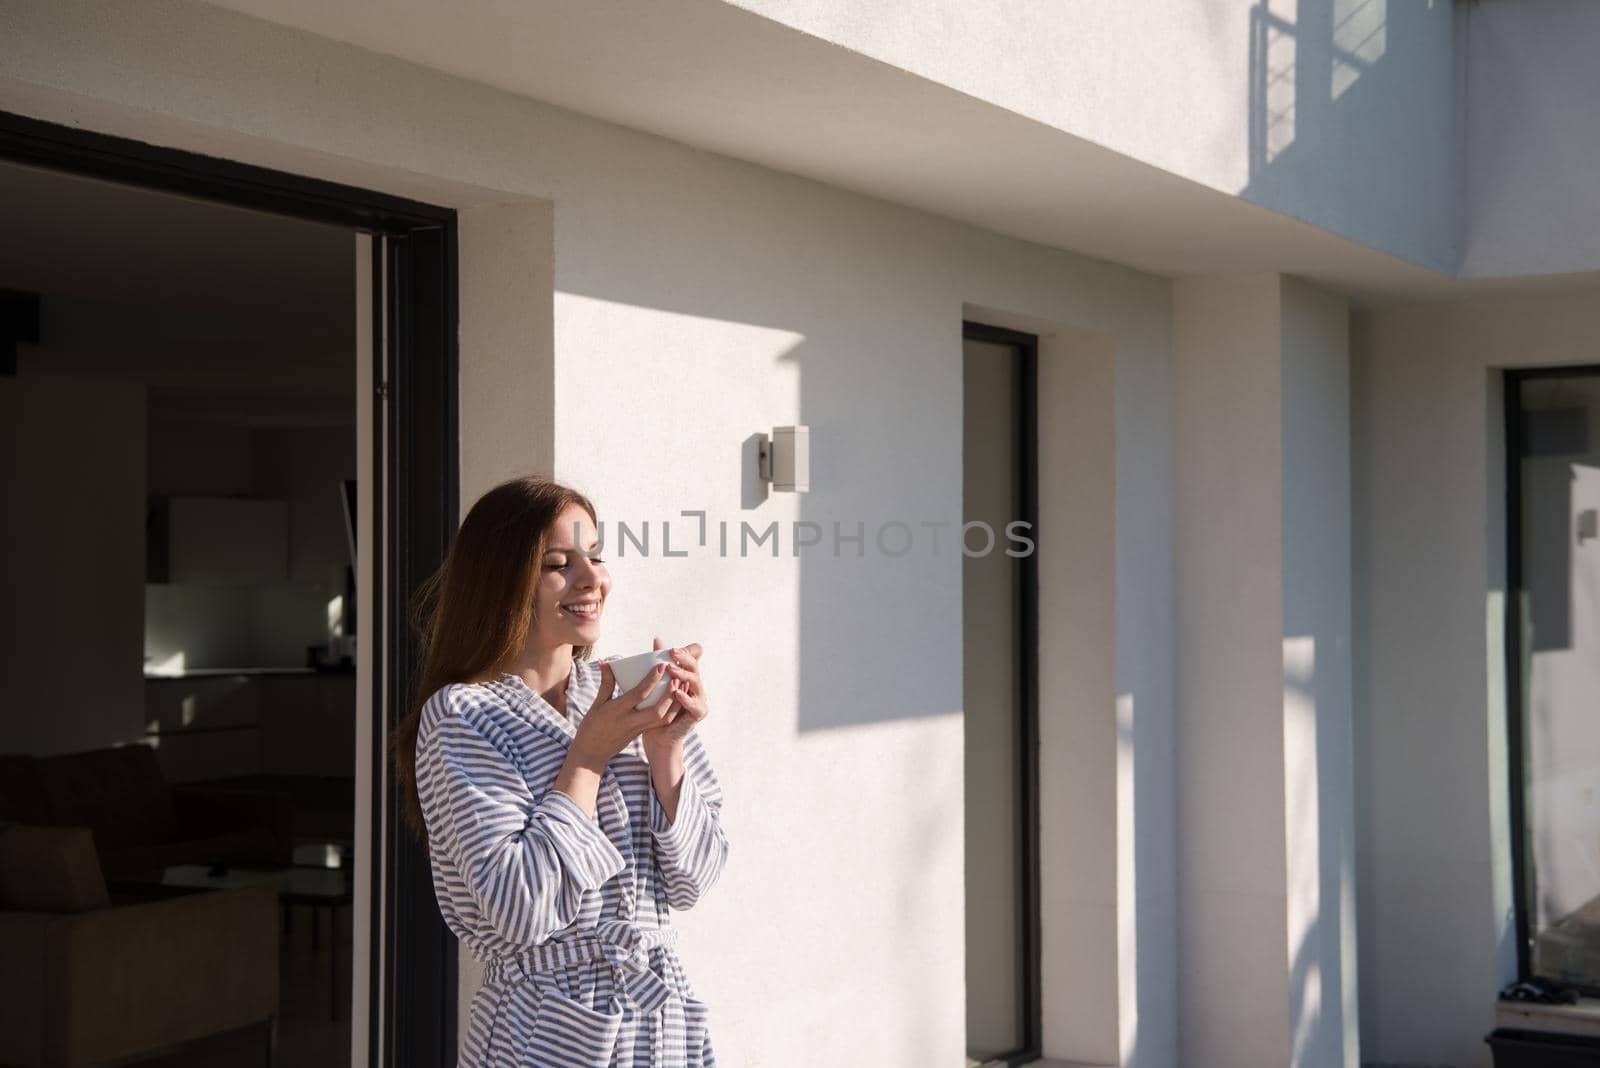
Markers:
point(140, 823)
point(90, 979)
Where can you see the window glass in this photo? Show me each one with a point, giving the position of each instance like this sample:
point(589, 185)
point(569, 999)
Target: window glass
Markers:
point(1557, 470)
point(991, 599)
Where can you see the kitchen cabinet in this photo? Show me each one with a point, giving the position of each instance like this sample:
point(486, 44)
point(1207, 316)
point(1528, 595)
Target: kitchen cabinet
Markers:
point(217, 540)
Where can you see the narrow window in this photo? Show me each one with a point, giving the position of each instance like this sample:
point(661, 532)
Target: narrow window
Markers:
point(1553, 641)
point(999, 595)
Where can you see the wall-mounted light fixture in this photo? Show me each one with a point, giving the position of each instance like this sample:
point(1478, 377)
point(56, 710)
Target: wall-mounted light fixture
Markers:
point(785, 458)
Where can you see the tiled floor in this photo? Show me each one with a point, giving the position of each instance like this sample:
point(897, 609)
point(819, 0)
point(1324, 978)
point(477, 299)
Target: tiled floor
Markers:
point(307, 1037)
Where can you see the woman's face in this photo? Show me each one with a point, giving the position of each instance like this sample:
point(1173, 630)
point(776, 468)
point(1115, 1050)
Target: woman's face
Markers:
point(572, 585)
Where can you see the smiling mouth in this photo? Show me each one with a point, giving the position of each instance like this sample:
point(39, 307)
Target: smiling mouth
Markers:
point(588, 611)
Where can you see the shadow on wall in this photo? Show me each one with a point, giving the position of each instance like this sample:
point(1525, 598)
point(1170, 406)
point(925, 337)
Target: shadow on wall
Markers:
point(855, 335)
point(1299, 70)
point(1352, 121)
point(1318, 1012)
point(1351, 127)
point(877, 635)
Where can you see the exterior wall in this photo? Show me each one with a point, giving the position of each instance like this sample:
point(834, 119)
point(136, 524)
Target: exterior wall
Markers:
point(806, 305)
point(697, 302)
point(1231, 858)
point(1319, 798)
point(1435, 893)
point(1107, 748)
point(1338, 112)
point(1263, 671)
point(1147, 855)
point(1084, 799)
point(506, 253)
point(1531, 149)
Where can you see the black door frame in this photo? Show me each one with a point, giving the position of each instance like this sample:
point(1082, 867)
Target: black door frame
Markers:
point(1026, 488)
point(416, 377)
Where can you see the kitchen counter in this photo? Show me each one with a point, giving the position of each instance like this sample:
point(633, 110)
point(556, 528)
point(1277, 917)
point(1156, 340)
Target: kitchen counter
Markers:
point(213, 673)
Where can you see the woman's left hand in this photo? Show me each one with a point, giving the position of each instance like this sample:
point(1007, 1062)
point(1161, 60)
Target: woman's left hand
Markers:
point(688, 695)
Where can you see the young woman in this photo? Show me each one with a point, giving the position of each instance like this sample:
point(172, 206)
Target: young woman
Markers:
point(562, 823)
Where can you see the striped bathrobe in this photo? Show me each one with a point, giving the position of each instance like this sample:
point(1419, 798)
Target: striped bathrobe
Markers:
point(568, 912)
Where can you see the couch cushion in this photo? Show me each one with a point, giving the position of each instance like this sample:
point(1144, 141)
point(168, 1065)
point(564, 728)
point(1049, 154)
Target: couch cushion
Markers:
point(21, 793)
point(49, 869)
point(118, 793)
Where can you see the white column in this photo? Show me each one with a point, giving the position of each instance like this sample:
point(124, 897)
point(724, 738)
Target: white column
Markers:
point(1265, 798)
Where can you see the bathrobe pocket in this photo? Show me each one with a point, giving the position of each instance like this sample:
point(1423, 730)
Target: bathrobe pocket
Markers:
point(569, 1034)
point(697, 1040)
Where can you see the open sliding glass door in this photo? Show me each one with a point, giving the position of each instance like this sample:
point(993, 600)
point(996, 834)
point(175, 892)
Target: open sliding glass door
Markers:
point(406, 376)
point(371, 773)
point(404, 981)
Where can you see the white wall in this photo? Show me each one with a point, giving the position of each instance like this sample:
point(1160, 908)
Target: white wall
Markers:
point(1338, 112)
point(1320, 790)
point(506, 307)
point(1437, 938)
point(1532, 149)
point(1143, 548)
point(700, 301)
point(1084, 826)
point(1265, 865)
point(1228, 481)
point(1107, 747)
point(807, 305)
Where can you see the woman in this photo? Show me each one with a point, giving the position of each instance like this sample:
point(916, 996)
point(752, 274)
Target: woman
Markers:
point(562, 822)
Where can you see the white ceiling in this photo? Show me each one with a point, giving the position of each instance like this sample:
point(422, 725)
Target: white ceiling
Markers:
point(709, 74)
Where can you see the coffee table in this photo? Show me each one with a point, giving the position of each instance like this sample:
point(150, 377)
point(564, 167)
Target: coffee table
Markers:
point(298, 884)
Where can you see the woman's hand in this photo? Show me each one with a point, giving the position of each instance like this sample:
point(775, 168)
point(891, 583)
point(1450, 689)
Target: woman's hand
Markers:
point(688, 697)
point(613, 722)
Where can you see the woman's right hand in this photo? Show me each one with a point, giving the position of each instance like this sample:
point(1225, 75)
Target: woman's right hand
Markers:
point(612, 722)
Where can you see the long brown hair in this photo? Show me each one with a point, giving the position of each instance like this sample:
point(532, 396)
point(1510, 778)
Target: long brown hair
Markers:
point(475, 611)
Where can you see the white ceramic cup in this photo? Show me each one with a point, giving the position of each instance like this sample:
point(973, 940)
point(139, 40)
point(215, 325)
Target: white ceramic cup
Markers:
point(630, 671)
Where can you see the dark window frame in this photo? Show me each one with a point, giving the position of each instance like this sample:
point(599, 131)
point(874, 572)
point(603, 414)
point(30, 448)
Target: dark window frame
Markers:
point(417, 379)
point(1512, 380)
point(1026, 487)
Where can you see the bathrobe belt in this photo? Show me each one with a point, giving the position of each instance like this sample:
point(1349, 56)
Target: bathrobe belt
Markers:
point(625, 945)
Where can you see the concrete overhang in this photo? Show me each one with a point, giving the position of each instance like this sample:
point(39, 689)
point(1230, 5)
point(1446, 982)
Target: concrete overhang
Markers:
point(717, 77)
